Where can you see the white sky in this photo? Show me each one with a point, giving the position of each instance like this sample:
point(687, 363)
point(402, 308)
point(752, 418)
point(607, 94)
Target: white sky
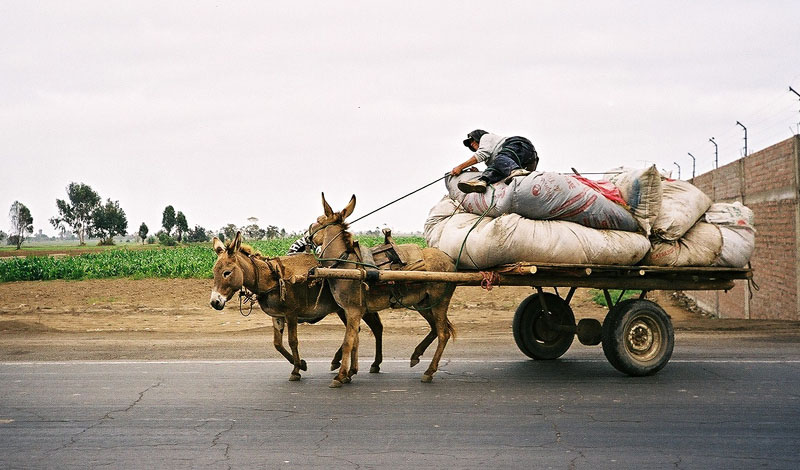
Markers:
point(230, 110)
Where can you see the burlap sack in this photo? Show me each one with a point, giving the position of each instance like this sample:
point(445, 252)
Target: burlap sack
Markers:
point(722, 213)
point(738, 243)
point(545, 196)
point(682, 205)
point(700, 246)
point(512, 238)
point(641, 190)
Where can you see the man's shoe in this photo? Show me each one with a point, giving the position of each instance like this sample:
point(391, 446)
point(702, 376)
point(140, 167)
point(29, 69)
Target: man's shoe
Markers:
point(472, 186)
point(516, 173)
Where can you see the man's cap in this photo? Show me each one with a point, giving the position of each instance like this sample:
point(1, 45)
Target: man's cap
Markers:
point(474, 135)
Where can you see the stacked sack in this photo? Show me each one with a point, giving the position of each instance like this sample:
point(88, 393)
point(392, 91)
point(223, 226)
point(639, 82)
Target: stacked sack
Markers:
point(552, 218)
point(545, 196)
point(481, 242)
point(685, 228)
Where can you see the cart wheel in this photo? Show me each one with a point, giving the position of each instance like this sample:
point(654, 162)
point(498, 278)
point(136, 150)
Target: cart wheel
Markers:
point(532, 329)
point(638, 337)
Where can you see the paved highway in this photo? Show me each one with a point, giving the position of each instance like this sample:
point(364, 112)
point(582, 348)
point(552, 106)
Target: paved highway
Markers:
point(717, 404)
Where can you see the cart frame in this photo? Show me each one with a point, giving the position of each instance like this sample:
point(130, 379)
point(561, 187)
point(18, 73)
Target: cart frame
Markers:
point(636, 334)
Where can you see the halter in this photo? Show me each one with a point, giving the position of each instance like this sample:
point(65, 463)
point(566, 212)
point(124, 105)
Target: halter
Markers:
point(248, 297)
point(314, 246)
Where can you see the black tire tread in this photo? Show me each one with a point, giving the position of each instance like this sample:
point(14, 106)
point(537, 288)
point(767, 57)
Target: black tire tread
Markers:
point(613, 337)
point(522, 329)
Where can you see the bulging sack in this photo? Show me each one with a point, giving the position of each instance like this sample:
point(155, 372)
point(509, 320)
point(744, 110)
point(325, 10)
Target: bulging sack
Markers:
point(512, 238)
point(722, 213)
point(444, 209)
point(705, 245)
point(641, 190)
point(545, 196)
point(682, 204)
point(700, 246)
point(738, 243)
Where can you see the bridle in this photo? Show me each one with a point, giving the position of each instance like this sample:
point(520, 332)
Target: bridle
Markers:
point(248, 297)
point(342, 257)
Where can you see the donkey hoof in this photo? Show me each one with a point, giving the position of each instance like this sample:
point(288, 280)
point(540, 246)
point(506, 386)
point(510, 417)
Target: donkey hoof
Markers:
point(303, 365)
point(352, 372)
point(346, 380)
point(294, 377)
point(414, 361)
point(336, 365)
point(335, 384)
point(426, 379)
point(374, 369)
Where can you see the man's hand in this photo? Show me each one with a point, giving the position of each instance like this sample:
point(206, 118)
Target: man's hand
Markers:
point(456, 171)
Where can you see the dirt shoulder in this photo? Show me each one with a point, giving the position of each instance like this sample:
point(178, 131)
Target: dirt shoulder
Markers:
point(171, 319)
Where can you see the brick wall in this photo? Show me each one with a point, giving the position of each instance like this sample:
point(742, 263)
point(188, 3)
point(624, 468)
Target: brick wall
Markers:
point(767, 183)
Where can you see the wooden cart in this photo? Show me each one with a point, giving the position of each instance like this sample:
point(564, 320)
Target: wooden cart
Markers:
point(636, 334)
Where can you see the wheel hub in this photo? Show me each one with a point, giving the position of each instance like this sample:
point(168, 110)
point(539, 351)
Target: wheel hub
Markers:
point(640, 337)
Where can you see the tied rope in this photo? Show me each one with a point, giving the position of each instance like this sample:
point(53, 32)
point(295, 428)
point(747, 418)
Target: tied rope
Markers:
point(490, 279)
point(492, 203)
point(245, 298)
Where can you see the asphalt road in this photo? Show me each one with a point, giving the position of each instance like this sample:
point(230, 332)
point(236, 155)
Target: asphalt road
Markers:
point(720, 403)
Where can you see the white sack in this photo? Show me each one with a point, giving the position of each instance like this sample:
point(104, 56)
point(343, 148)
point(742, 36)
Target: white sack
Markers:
point(443, 209)
point(738, 243)
point(706, 245)
point(682, 204)
point(545, 196)
point(641, 190)
point(511, 238)
point(700, 246)
point(492, 203)
point(722, 213)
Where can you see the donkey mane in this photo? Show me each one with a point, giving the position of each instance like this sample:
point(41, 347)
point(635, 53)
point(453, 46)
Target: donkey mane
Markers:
point(248, 250)
point(338, 219)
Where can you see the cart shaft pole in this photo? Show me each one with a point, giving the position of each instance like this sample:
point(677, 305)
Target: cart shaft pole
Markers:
point(533, 280)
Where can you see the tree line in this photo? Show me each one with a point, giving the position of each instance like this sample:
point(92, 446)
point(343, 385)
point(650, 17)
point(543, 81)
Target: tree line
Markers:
point(84, 214)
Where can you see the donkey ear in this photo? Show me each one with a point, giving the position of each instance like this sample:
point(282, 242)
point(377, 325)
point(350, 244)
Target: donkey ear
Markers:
point(351, 206)
point(236, 244)
point(326, 206)
point(219, 247)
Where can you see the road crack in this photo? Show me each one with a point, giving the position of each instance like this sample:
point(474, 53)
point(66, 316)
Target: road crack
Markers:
point(108, 416)
point(217, 441)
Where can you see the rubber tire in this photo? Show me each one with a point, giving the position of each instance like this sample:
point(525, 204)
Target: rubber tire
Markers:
point(645, 316)
point(530, 334)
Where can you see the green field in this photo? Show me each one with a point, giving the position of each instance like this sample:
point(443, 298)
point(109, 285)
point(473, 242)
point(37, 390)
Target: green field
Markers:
point(138, 262)
point(600, 299)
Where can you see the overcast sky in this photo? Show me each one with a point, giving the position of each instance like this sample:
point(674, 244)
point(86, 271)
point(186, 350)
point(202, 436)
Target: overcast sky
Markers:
point(230, 110)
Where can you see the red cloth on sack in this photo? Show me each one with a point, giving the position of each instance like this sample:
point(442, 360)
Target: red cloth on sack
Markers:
point(606, 188)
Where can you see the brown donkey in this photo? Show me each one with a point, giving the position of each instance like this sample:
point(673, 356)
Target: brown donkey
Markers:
point(293, 301)
point(430, 299)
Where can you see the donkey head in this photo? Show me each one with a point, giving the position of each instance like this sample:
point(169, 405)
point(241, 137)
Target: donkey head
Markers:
point(228, 275)
point(330, 221)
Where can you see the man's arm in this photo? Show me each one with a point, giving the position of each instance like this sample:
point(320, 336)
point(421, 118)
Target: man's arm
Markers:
point(457, 170)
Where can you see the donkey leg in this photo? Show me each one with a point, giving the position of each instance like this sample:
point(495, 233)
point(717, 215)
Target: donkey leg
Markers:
point(292, 323)
point(444, 330)
point(351, 332)
point(337, 358)
point(423, 345)
point(277, 341)
point(354, 357)
point(373, 321)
